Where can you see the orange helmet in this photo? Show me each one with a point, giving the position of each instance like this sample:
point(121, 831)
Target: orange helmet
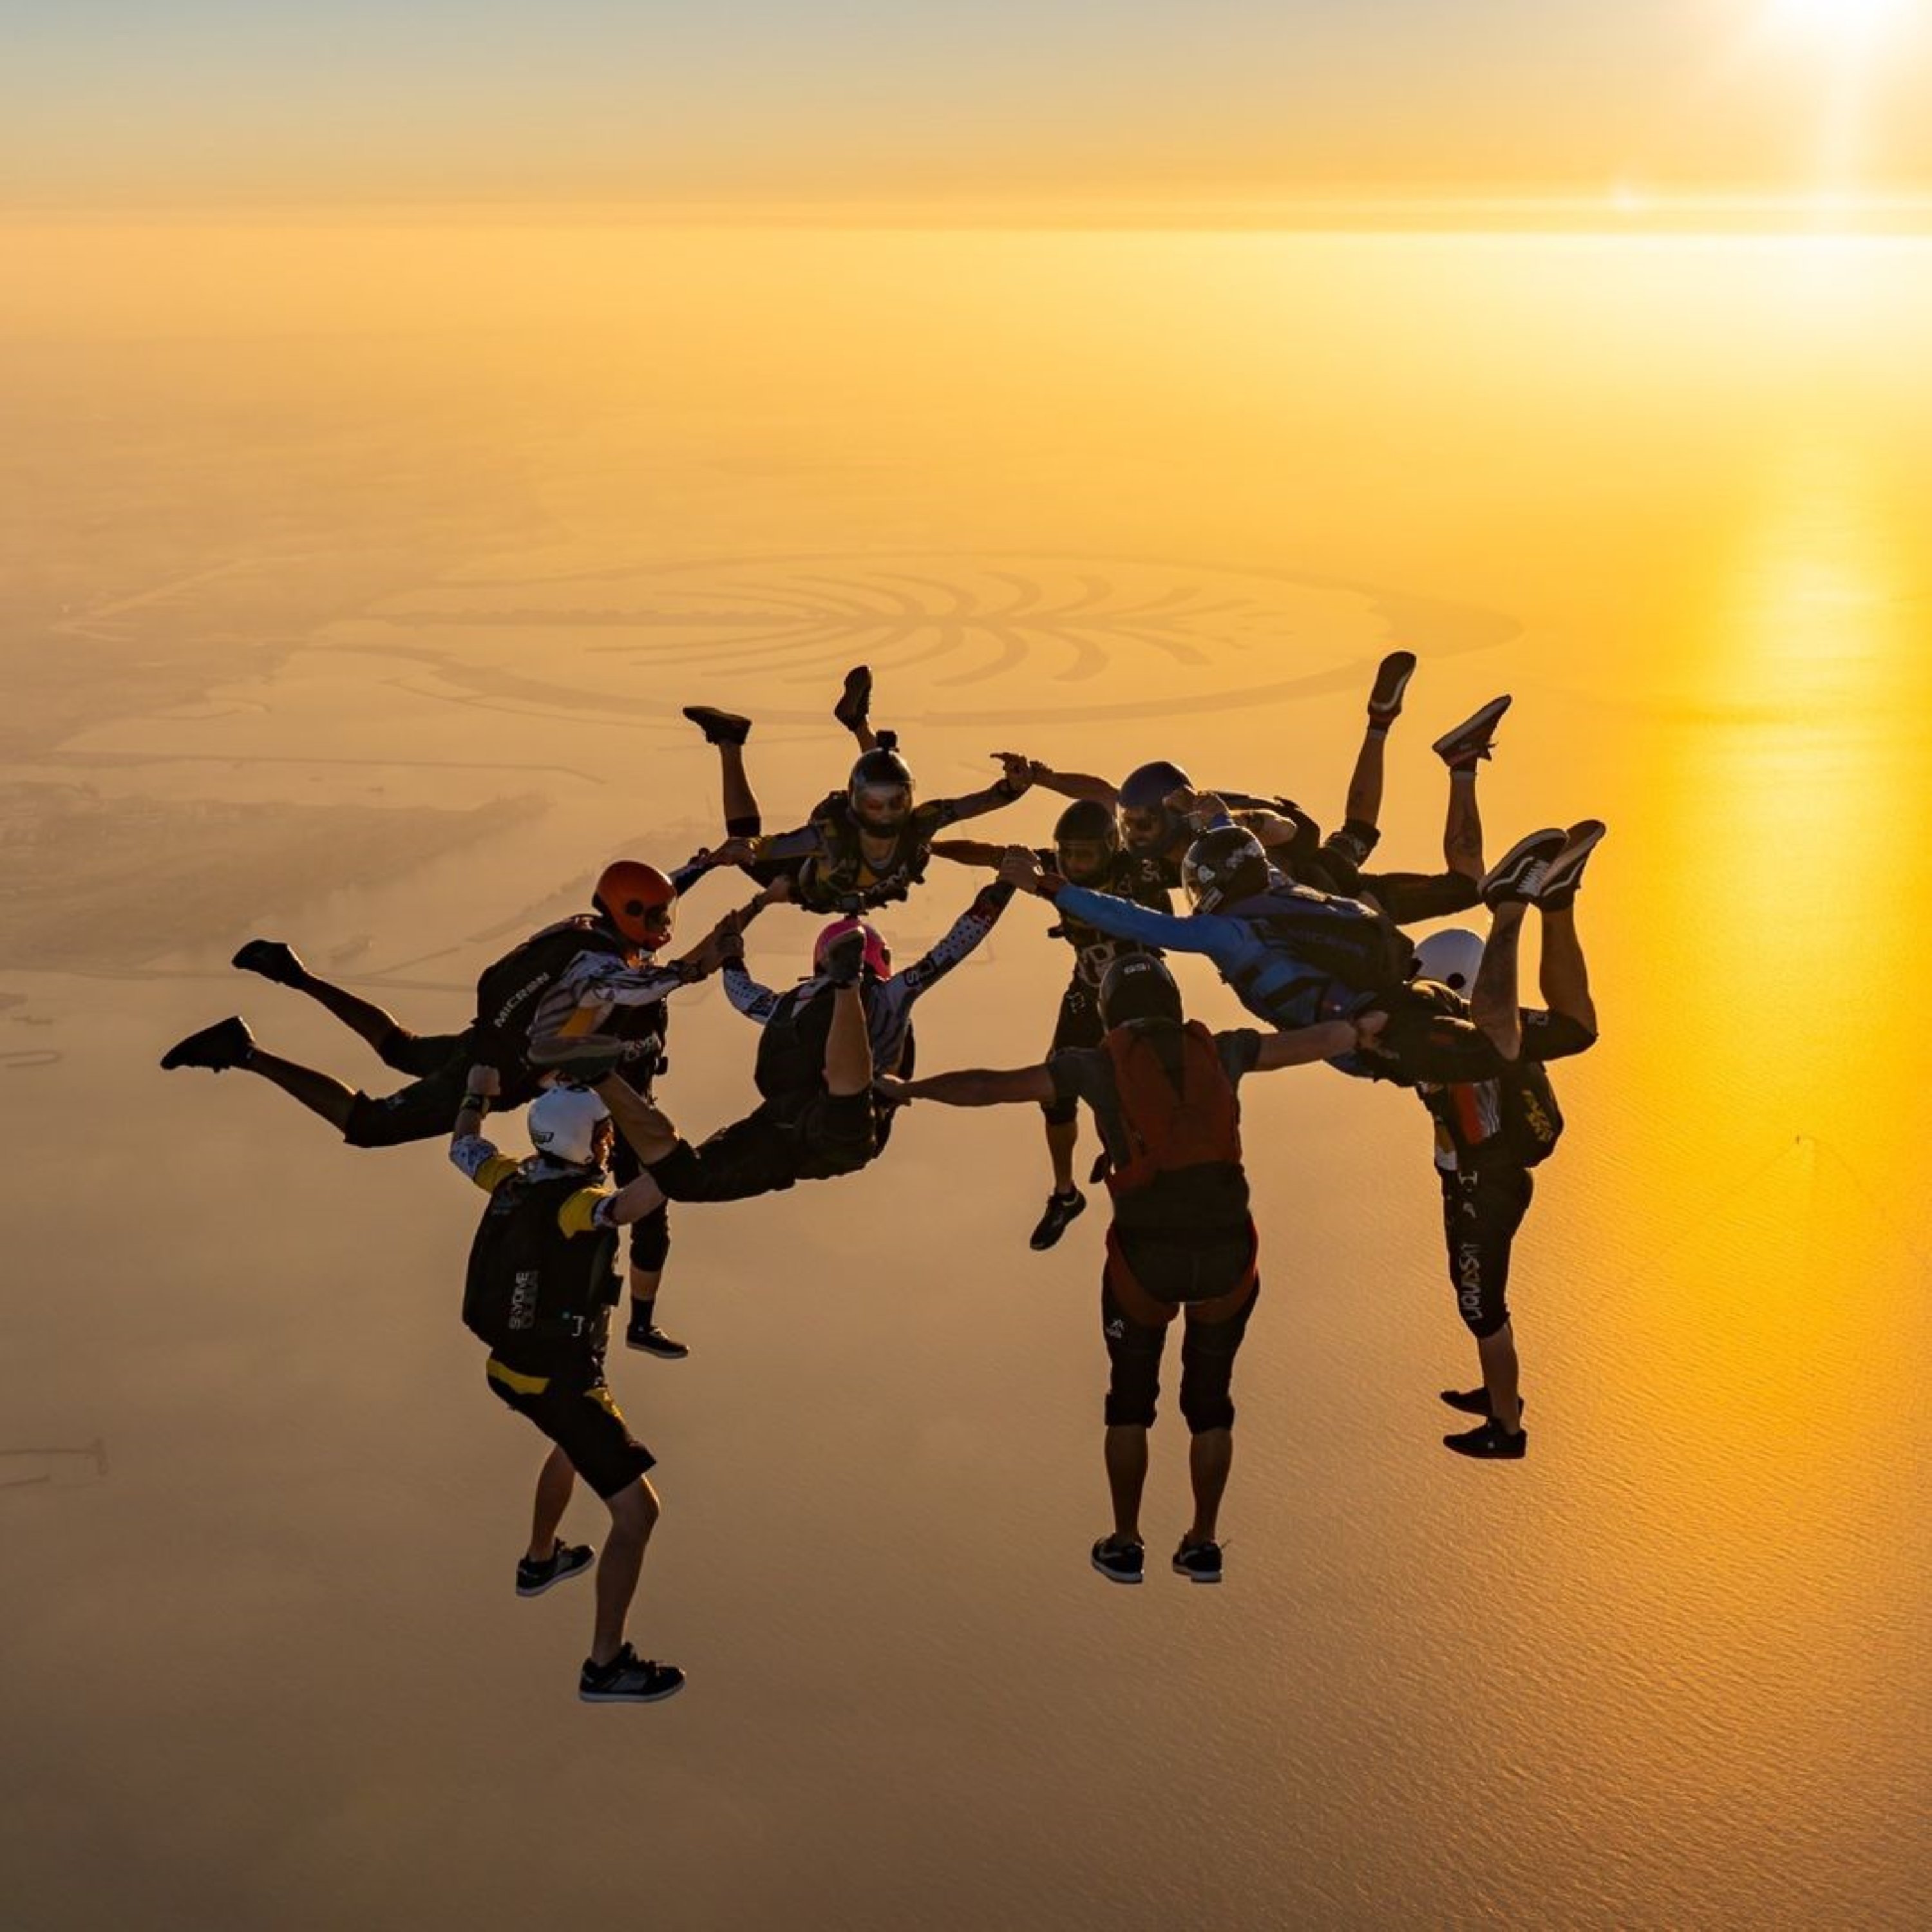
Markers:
point(637, 899)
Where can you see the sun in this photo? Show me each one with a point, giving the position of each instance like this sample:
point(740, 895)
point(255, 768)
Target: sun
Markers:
point(1837, 23)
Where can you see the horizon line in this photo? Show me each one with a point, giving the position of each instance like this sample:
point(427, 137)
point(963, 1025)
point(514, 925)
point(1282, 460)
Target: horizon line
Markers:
point(1632, 210)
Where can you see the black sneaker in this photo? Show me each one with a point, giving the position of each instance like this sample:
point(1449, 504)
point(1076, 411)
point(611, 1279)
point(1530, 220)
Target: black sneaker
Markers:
point(845, 959)
point(1061, 1210)
point(855, 702)
point(1558, 892)
point(1490, 1442)
point(720, 728)
point(1516, 876)
point(1392, 678)
point(564, 1560)
point(1198, 1562)
point(1473, 1401)
point(272, 960)
point(647, 1338)
point(227, 1043)
point(628, 1678)
point(1119, 1562)
point(1470, 739)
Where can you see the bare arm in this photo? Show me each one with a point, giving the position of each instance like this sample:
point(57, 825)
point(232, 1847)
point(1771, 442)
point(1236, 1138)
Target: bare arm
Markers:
point(1307, 1044)
point(970, 852)
point(1068, 784)
point(979, 1087)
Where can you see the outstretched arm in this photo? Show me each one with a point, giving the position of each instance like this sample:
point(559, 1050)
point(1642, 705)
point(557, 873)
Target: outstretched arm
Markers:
point(1305, 1045)
point(966, 933)
point(1068, 784)
point(1013, 784)
point(970, 852)
point(979, 1087)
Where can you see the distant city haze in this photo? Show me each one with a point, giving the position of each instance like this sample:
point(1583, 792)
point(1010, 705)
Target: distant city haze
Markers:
point(355, 572)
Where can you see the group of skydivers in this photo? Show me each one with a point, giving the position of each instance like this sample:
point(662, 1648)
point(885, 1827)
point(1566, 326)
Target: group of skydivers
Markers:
point(573, 1023)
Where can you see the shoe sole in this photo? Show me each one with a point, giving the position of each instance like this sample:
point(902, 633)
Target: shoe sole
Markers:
point(1193, 1579)
point(584, 1697)
point(1114, 1576)
point(662, 1354)
point(1497, 878)
point(1567, 868)
point(1477, 722)
point(1390, 707)
point(550, 1583)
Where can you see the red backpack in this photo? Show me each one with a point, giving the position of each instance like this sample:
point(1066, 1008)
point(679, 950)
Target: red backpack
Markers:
point(1183, 1171)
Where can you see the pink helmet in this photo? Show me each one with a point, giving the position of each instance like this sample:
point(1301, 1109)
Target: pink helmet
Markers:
point(878, 954)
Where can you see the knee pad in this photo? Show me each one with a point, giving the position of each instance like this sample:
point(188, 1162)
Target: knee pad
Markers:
point(1483, 1322)
point(1208, 1407)
point(745, 828)
point(1132, 1407)
point(650, 1241)
point(1060, 1113)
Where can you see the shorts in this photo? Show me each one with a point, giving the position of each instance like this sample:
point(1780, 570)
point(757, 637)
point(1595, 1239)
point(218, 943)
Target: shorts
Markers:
point(1483, 1202)
point(1079, 1024)
point(1211, 1338)
point(582, 1419)
point(768, 1151)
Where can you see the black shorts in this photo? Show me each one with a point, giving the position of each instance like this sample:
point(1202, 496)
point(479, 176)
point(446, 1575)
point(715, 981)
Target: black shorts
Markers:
point(583, 1420)
point(1483, 1202)
point(1079, 1024)
point(771, 1150)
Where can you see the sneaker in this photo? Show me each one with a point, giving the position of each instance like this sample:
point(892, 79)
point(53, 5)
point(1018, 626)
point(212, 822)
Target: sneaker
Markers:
point(649, 1338)
point(855, 702)
point(1392, 677)
point(628, 1678)
point(1062, 1210)
point(1565, 874)
point(720, 728)
point(1490, 1443)
point(845, 959)
point(1516, 876)
point(1473, 1401)
point(1198, 1562)
point(564, 1560)
point(227, 1043)
point(272, 960)
point(1470, 740)
point(580, 1059)
point(1119, 1562)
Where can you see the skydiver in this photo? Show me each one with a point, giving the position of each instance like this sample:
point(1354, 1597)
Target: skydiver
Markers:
point(542, 1281)
point(1086, 849)
point(823, 1040)
point(1490, 1133)
point(862, 848)
point(602, 961)
point(1182, 1240)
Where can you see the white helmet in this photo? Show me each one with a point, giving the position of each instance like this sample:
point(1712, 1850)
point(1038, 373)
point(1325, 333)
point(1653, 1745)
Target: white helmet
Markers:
point(563, 1122)
point(1451, 958)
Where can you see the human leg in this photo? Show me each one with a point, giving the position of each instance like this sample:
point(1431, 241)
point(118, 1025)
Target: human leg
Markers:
point(854, 709)
point(633, 1515)
point(275, 961)
point(1212, 1339)
point(1564, 977)
point(1484, 1204)
point(1134, 1348)
point(555, 1481)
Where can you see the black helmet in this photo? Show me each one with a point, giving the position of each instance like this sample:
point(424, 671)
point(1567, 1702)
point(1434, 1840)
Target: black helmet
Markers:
point(1086, 822)
point(1223, 866)
point(1146, 789)
point(884, 779)
point(1138, 986)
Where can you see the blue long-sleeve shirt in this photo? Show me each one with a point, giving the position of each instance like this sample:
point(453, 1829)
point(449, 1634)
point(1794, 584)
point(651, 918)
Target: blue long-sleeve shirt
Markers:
point(1272, 981)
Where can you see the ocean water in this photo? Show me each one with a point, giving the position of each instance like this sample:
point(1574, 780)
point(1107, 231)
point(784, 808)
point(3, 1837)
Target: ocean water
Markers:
point(355, 575)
